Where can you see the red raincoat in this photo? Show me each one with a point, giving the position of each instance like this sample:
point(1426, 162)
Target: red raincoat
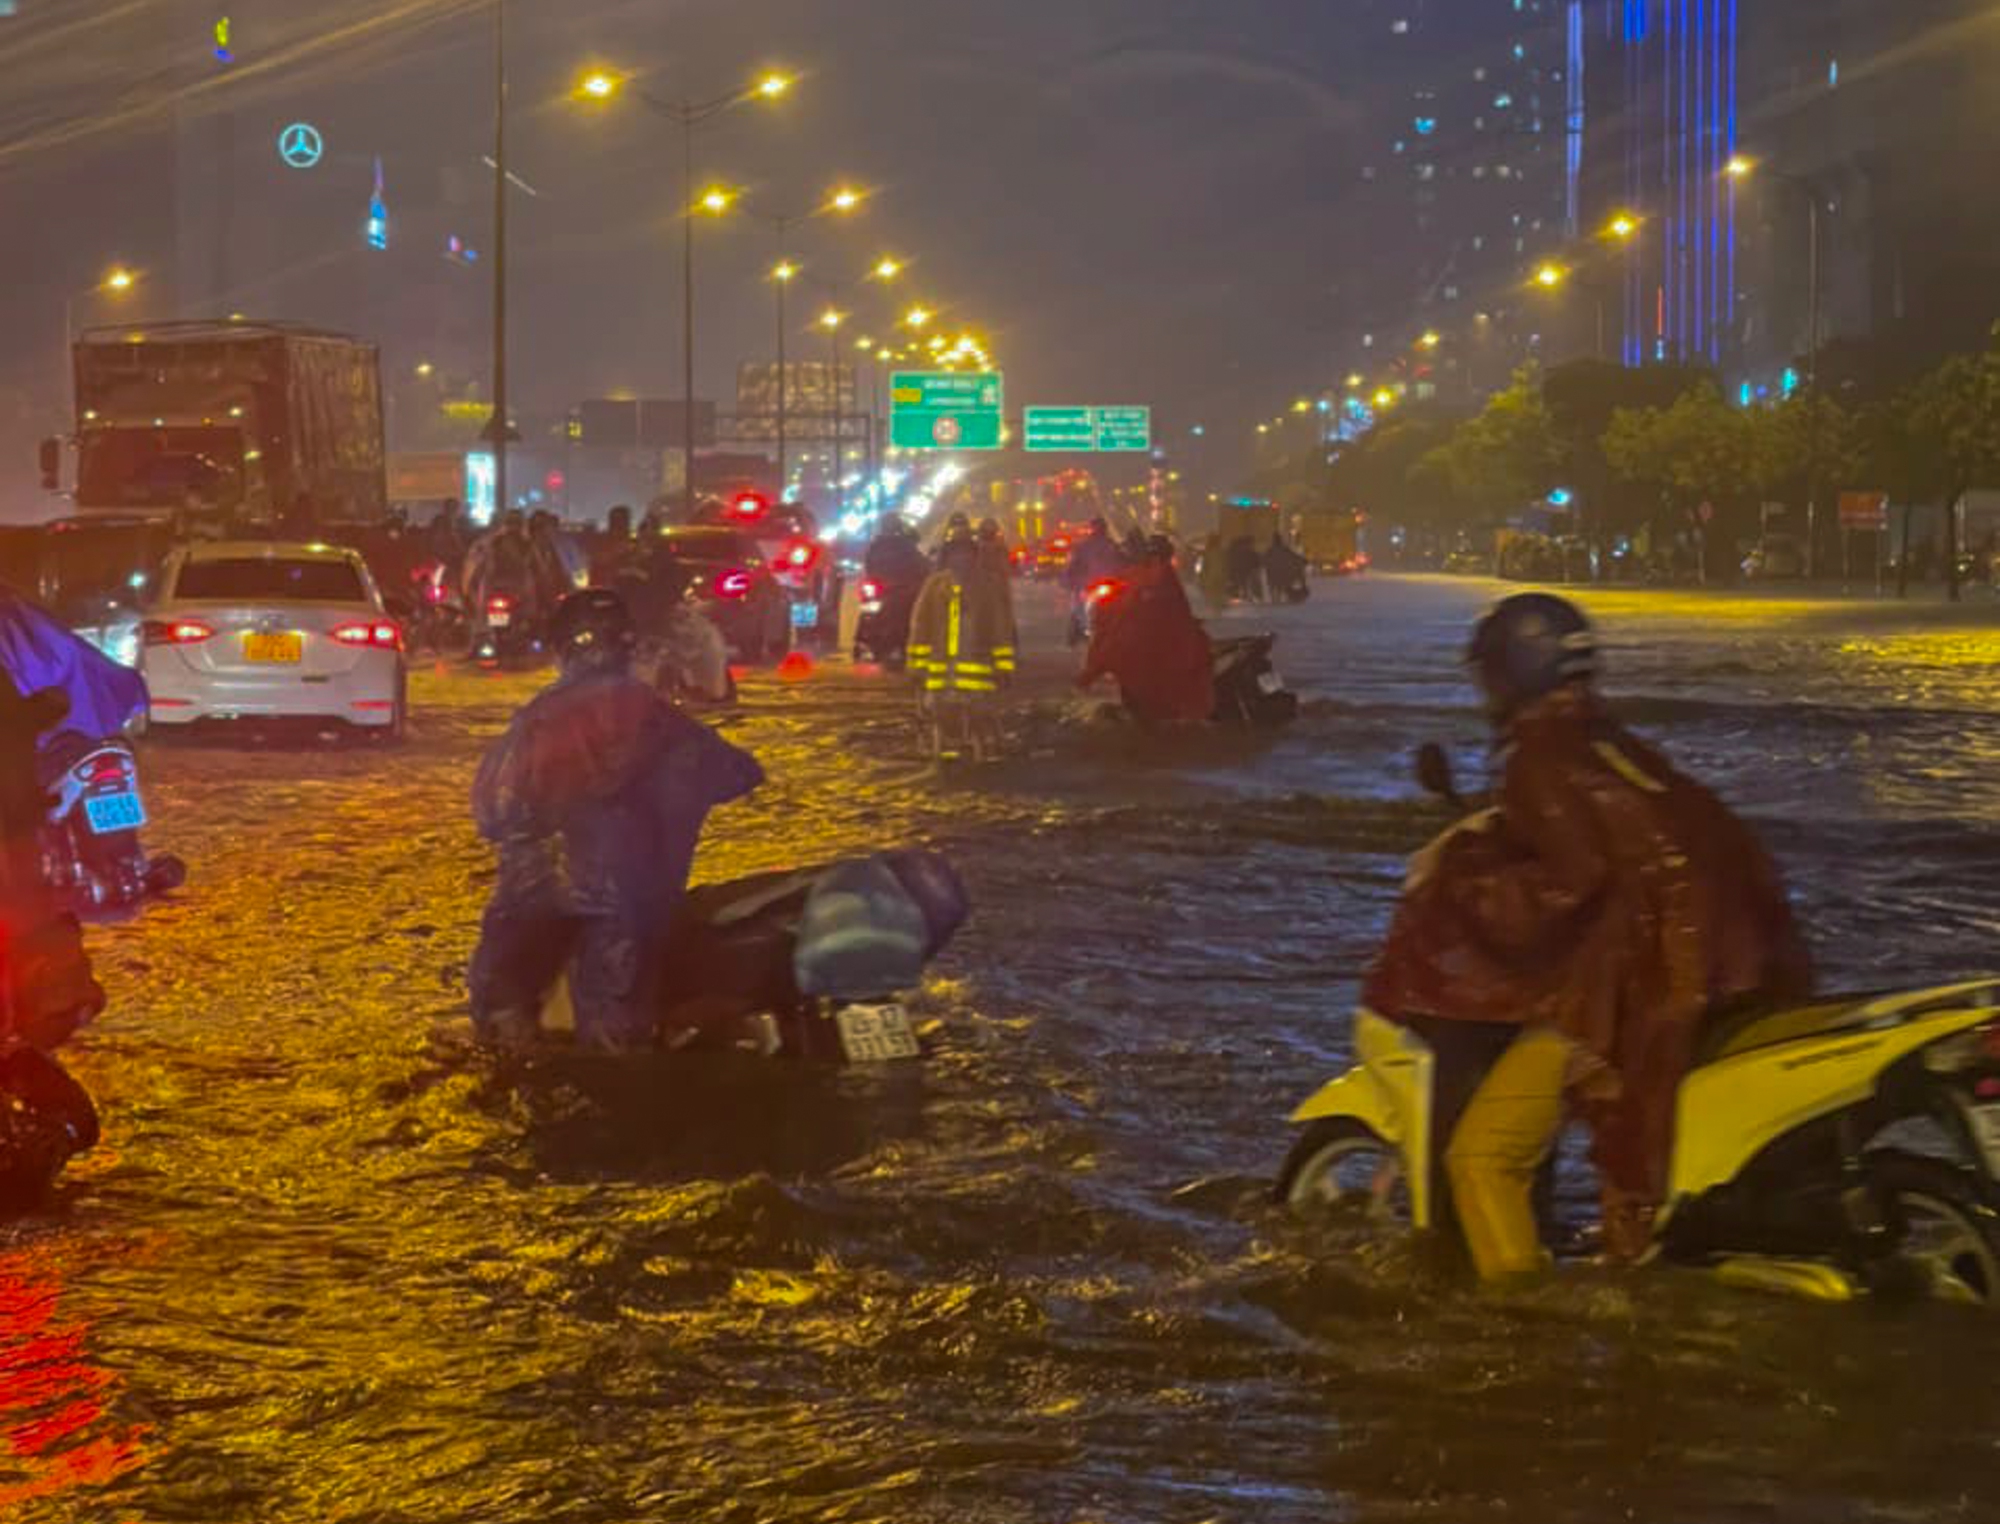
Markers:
point(1147, 637)
point(1606, 895)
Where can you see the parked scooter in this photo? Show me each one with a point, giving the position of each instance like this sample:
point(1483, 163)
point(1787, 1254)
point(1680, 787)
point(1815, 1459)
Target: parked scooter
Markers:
point(1790, 1167)
point(92, 858)
point(811, 964)
point(1248, 690)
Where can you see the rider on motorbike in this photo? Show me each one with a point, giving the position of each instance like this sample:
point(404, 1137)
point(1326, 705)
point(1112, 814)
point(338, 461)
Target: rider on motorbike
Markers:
point(1603, 911)
point(595, 797)
point(503, 562)
point(1147, 637)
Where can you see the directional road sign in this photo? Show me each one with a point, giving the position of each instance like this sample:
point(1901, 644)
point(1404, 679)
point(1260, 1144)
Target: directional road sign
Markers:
point(1059, 428)
point(1110, 430)
point(944, 410)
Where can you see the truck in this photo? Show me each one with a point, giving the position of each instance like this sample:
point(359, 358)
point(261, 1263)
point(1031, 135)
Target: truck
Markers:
point(255, 427)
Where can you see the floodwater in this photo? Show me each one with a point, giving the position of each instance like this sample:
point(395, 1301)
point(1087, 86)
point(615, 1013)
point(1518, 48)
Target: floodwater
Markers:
point(328, 1267)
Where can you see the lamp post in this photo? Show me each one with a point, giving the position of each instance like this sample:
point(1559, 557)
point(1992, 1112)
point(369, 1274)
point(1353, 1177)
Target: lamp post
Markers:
point(499, 428)
point(830, 320)
point(117, 280)
point(1740, 169)
point(841, 200)
point(687, 115)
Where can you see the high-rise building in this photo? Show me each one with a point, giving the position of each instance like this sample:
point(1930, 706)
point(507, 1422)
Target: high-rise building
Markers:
point(1468, 105)
point(1661, 103)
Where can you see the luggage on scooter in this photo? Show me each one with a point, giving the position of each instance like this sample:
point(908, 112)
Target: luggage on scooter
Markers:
point(870, 926)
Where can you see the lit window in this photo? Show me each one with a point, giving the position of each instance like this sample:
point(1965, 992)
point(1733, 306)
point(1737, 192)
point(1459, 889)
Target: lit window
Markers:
point(1426, 125)
point(1426, 171)
point(1399, 27)
point(1833, 74)
point(1502, 101)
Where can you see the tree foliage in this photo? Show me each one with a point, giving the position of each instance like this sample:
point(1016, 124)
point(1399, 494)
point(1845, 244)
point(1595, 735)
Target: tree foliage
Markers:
point(1505, 457)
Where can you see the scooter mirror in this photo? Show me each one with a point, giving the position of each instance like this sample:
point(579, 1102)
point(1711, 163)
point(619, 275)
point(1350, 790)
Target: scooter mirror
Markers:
point(1434, 771)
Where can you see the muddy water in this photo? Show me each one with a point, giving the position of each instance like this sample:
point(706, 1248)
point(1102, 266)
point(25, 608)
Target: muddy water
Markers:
point(327, 1267)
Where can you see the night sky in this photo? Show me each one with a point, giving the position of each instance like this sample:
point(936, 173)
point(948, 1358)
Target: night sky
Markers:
point(1138, 200)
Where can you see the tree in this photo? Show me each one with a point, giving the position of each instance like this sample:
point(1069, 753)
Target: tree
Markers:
point(1507, 456)
point(1582, 396)
point(1938, 440)
point(1377, 472)
point(1699, 453)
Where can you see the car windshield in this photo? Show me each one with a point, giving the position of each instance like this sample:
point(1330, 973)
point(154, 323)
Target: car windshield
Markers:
point(247, 578)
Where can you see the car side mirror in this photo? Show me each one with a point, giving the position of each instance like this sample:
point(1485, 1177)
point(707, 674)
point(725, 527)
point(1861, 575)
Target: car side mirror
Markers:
point(49, 457)
point(1434, 772)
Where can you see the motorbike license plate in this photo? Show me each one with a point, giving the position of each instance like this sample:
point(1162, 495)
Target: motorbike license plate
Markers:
point(499, 619)
point(286, 647)
point(805, 616)
point(121, 811)
point(876, 1034)
point(1986, 1128)
point(1270, 682)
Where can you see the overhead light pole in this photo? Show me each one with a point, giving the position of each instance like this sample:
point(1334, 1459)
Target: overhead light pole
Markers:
point(687, 115)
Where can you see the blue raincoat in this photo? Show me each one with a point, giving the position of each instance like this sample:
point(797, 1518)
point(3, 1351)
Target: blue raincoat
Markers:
point(38, 651)
point(596, 797)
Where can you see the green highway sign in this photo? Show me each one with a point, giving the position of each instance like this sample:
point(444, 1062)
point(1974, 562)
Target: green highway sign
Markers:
point(945, 410)
point(1106, 430)
point(1059, 428)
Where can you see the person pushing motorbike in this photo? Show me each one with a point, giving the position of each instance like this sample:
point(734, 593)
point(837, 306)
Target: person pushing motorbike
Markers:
point(595, 798)
point(1603, 911)
point(1147, 637)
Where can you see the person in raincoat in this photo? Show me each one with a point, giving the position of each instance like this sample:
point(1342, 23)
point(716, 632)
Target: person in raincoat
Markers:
point(961, 651)
point(1145, 635)
point(595, 797)
point(1599, 916)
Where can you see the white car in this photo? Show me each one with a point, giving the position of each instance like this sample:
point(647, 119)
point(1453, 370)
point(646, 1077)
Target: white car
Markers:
point(253, 629)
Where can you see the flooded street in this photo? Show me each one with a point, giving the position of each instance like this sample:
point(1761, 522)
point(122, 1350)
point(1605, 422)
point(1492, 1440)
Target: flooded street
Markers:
point(328, 1267)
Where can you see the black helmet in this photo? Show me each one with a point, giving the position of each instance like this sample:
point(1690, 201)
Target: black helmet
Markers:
point(1530, 645)
point(592, 631)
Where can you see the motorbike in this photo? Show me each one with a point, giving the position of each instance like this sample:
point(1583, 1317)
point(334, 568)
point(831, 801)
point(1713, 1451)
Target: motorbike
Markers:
point(92, 858)
point(810, 964)
point(508, 630)
point(1795, 1163)
point(1248, 690)
point(437, 619)
point(883, 631)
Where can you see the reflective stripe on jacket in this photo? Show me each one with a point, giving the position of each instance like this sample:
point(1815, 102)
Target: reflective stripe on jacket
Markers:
point(961, 636)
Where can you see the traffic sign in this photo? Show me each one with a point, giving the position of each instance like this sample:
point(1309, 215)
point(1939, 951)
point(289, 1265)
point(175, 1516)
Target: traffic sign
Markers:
point(1864, 510)
point(1059, 428)
point(945, 410)
point(1125, 428)
point(301, 146)
point(1110, 430)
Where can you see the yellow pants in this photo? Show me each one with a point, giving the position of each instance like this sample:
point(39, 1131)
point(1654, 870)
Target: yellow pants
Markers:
point(1502, 1138)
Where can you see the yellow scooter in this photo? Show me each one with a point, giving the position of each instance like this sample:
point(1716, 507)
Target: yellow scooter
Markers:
point(1825, 1150)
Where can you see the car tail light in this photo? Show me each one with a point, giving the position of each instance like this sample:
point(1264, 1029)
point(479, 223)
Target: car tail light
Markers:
point(380, 634)
point(175, 632)
point(871, 590)
point(499, 603)
point(733, 584)
point(1100, 591)
point(750, 505)
point(799, 555)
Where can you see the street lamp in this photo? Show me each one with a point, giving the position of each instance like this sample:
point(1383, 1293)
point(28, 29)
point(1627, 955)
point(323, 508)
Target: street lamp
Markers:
point(1548, 277)
point(604, 85)
point(116, 281)
point(1623, 226)
point(1430, 339)
point(1739, 168)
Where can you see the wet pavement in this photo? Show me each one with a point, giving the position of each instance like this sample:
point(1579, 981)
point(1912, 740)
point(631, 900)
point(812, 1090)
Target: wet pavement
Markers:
point(328, 1267)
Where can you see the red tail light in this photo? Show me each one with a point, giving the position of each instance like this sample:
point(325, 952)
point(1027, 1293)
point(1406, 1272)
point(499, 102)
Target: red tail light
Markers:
point(380, 634)
point(871, 590)
point(175, 632)
point(1099, 591)
point(801, 554)
point(750, 505)
point(733, 584)
point(105, 767)
point(499, 603)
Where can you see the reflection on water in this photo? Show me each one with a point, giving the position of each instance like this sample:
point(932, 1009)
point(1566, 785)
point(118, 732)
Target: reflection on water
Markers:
point(1031, 1279)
